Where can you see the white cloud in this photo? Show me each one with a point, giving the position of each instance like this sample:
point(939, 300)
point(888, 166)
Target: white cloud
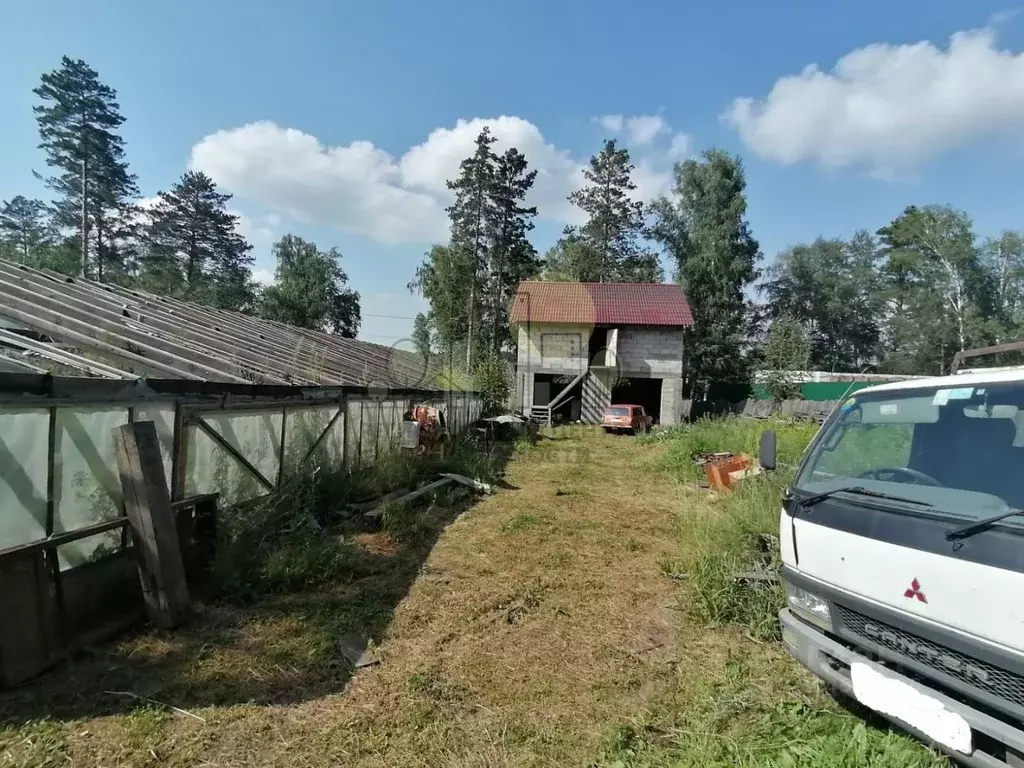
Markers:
point(637, 129)
point(259, 231)
point(427, 166)
point(364, 190)
point(681, 147)
point(611, 123)
point(643, 129)
point(888, 107)
point(263, 276)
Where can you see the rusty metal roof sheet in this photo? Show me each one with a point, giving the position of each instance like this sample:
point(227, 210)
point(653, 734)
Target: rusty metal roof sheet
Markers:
point(601, 304)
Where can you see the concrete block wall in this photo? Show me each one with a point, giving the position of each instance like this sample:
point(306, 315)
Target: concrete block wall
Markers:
point(657, 351)
point(555, 348)
point(671, 400)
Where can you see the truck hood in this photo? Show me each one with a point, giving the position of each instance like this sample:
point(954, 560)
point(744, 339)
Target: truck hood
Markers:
point(976, 599)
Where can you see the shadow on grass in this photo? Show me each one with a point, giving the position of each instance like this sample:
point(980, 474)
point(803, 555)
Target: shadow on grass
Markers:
point(278, 648)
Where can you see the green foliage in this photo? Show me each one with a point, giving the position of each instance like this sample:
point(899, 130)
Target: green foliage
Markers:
point(787, 349)
point(24, 229)
point(491, 379)
point(421, 334)
point(195, 251)
point(609, 246)
point(311, 289)
point(78, 118)
point(742, 717)
point(738, 532)
point(703, 227)
point(934, 287)
point(470, 282)
point(831, 288)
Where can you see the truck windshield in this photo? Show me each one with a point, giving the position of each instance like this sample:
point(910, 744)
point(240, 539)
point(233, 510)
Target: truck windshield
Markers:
point(959, 450)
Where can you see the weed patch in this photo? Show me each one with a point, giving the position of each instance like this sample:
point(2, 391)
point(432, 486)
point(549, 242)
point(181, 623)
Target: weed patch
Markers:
point(524, 522)
point(757, 718)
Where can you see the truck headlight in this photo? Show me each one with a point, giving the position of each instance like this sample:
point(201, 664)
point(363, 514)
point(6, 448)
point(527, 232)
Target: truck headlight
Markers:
point(808, 606)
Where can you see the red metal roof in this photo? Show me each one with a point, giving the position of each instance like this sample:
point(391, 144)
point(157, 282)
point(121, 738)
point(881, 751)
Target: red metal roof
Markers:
point(600, 303)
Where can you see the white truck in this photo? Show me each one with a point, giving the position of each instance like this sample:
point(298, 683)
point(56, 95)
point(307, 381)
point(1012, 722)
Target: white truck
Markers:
point(902, 541)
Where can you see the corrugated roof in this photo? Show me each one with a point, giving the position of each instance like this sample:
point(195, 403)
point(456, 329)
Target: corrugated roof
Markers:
point(601, 303)
point(104, 329)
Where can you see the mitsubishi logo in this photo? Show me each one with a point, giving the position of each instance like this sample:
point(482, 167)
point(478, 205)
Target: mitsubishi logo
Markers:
point(915, 591)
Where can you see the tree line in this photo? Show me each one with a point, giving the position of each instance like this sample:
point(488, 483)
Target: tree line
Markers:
point(186, 244)
point(901, 299)
point(701, 226)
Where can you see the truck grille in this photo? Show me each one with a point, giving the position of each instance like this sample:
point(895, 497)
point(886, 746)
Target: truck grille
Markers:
point(968, 670)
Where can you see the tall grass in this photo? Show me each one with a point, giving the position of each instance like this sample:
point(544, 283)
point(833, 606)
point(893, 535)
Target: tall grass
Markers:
point(733, 433)
point(301, 535)
point(734, 533)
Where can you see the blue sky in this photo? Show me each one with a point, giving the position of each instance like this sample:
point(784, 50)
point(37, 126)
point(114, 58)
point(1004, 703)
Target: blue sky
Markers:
point(340, 121)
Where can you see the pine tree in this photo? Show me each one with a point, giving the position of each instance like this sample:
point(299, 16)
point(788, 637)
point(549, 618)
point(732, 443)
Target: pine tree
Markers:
point(24, 229)
point(470, 214)
point(78, 121)
point(511, 256)
point(195, 249)
point(311, 289)
point(615, 227)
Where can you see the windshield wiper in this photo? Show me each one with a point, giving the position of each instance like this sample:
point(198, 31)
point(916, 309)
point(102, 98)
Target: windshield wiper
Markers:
point(810, 501)
point(965, 531)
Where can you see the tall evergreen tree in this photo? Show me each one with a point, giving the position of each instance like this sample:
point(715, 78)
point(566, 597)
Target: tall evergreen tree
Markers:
point(470, 282)
point(24, 228)
point(78, 121)
point(703, 227)
point(311, 289)
point(511, 257)
point(470, 215)
point(615, 226)
point(195, 249)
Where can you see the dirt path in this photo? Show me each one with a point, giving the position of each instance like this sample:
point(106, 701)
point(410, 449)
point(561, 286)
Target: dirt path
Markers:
point(539, 621)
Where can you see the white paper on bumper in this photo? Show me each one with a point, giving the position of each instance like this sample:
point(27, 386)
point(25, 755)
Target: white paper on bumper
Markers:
point(897, 699)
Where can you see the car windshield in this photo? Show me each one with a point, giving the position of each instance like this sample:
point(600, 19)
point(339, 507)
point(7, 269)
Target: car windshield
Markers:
point(958, 449)
point(617, 412)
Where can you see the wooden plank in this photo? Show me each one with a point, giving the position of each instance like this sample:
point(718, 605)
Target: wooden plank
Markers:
point(59, 539)
point(148, 504)
point(373, 514)
point(29, 640)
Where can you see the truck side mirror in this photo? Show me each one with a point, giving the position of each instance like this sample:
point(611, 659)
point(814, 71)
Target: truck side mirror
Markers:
point(768, 450)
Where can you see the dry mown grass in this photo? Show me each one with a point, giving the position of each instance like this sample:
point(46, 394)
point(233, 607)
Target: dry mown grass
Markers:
point(536, 628)
point(537, 621)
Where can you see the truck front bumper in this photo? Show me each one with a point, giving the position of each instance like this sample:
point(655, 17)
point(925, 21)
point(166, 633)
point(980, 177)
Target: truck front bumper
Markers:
point(831, 661)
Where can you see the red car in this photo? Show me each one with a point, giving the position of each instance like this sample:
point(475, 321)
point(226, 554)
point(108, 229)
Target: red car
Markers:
point(626, 418)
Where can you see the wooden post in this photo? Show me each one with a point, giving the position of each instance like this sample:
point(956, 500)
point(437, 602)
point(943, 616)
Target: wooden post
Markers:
point(151, 518)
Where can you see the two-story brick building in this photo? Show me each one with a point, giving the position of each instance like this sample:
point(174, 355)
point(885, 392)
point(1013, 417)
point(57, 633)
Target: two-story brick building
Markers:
point(584, 346)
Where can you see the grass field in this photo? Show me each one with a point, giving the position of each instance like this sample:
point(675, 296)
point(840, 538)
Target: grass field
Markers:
point(583, 615)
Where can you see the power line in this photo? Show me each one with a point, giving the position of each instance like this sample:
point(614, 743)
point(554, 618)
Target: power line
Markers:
point(391, 317)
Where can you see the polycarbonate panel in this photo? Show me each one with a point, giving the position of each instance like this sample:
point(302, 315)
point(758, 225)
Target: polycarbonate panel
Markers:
point(256, 435)
point(86, 481)
point(355, 422)
point(24, 439)
point(209, 468)
point(371, 425)
point(305, 425)
point(162, 417)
